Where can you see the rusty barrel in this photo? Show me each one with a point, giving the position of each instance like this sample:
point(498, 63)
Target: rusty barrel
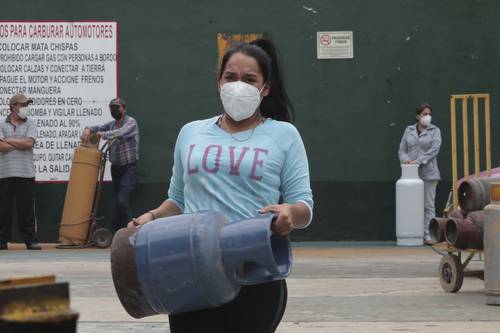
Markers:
point(436, 229)
point(466, 233)
point(474, 193)
point(457, 213)
point(437, 225)
point(492, 247)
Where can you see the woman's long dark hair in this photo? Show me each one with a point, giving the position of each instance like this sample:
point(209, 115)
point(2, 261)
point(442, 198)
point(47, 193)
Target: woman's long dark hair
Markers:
point(276, 105)
point(421, 108)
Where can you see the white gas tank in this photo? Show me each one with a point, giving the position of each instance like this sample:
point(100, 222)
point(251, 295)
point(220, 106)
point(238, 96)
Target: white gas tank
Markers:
point(492, 247)
point(409, 207)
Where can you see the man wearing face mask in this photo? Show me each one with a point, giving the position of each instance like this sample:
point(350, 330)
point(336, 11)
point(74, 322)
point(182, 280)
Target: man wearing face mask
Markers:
point(17, 173)
point(420, 145)
point(123, 137)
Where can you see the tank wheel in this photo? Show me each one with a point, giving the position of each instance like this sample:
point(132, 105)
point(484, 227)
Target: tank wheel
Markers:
point(102, 238)
point(451, 273)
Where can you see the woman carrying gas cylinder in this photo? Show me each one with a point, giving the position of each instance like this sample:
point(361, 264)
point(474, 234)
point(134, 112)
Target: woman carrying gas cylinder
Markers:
point(248, 160)
point(420, 145)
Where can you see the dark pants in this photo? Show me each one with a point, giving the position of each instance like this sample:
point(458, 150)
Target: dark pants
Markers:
point(257, 309)
point(22, 191)
point(124, 181)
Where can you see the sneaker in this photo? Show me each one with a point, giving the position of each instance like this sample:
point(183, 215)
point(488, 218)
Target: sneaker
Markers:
point(3, 246)
point(33, 245)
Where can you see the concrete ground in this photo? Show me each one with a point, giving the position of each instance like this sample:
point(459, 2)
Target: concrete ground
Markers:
point(334, 287)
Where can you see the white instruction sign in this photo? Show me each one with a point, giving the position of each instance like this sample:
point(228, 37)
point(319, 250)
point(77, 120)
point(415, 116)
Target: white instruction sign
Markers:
point(70, 71)
point(335, 45)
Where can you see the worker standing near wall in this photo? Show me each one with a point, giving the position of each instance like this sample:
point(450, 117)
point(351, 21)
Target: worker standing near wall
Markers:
point(241, 163)
point(420, 145)
point(123, 137)
point(17, 173)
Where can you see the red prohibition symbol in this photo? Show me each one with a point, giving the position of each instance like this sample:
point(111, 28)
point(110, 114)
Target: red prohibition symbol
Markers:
point(325, 39)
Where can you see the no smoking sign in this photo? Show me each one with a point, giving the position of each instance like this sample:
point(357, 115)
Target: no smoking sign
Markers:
point(335, 45)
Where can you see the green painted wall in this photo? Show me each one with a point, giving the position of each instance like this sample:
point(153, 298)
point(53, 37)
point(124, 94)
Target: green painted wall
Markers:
point(351, 113)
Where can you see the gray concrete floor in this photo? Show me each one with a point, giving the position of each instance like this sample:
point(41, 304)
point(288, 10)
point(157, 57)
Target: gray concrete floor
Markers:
point(334, 287)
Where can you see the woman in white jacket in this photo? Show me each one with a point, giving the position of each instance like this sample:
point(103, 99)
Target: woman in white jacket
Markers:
point(420, 145)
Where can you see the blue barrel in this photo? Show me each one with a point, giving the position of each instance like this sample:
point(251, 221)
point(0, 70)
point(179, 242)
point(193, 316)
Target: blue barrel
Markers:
point(194, 261)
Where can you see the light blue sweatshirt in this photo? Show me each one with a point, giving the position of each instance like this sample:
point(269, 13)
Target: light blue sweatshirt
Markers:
point(238, 174)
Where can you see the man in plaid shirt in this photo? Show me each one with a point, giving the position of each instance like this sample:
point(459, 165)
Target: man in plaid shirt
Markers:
point(123, 137)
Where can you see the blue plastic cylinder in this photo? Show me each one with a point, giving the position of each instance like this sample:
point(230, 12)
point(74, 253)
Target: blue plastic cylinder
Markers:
point(178, 263)
point(198, 261)
point(252, 254)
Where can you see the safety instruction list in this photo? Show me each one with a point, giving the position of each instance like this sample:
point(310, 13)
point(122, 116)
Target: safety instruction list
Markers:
point(69, 69)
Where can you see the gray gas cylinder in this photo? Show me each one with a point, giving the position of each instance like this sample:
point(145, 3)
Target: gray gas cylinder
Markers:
point(492, 247)
point(409, 207)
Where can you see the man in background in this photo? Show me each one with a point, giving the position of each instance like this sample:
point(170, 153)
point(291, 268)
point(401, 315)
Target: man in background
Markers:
point(17, 173)
point(123, 137)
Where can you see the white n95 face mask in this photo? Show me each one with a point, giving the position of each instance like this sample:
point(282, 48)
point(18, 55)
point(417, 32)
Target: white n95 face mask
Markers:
point(240, 99)
point(425, 120)
point(23, 113)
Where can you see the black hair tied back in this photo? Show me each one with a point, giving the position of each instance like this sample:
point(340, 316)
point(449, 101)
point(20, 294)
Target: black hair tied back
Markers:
point(276, 105)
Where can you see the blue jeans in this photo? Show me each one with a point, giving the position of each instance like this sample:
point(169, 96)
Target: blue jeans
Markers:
point(124, 181)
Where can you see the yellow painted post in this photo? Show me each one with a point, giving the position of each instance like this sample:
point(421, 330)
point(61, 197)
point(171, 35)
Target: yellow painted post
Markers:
point(454, 167)
point(465, 138)
point(488, 133)
point(477, 162)
point(465, 131)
